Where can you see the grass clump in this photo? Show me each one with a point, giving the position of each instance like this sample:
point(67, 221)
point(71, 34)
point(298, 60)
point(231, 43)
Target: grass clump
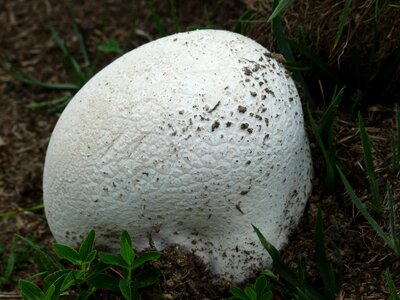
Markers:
point(78, 72)
point(291, 284)
point(325, 136)
point(392, 237)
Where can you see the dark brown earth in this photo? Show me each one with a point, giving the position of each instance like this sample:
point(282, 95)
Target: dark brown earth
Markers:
point(26, 42)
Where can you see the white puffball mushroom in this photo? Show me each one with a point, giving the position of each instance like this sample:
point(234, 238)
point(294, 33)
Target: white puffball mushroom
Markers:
point(188, 139)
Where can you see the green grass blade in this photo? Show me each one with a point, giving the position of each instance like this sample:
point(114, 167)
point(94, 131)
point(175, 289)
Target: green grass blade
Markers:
point(392, 288)
point(59, 41)
point(48, 261)
point(82, 44)
point(343, 18)
point(80, 39)
point(304, 40)
point(206, 16)
point(392, 219)
point(19, 75)
point(286, 50)
point(15, 213)
point(367, 149)
point(79, 75)
point(279, 8)
point(328, 118)
point(174, 16)
point(320, 253)
point(329, 164)
point(242, 26)
point(280, 36)
point(395, 143)
point(315, 59)
point(282, 269)
point(47, 85)
point(360, 206)
point(326, 270)
point(297, 66)
point(9, 263)
point(380, 7)
point(301, 273)
point(73, 64)
point(156, 19)
point(50, 106)
point(16, 73)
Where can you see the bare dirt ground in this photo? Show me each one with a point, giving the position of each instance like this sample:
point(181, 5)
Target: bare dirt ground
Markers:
point(25, 39)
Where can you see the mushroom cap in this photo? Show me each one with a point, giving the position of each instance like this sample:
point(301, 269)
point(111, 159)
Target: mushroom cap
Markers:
point(188, 140)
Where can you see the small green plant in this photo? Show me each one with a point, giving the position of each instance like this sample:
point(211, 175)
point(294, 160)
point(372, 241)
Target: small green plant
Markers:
point(89, 273)
point(131, 282)
point(295, 285)
point(260, 290)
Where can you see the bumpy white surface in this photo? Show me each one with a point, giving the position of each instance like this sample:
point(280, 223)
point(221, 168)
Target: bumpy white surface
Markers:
point(190, 139)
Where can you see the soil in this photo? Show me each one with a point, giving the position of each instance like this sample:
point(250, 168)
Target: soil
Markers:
point(27, 44)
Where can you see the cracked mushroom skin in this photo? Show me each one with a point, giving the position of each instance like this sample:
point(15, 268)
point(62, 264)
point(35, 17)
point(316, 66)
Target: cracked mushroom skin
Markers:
point(188, 139)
